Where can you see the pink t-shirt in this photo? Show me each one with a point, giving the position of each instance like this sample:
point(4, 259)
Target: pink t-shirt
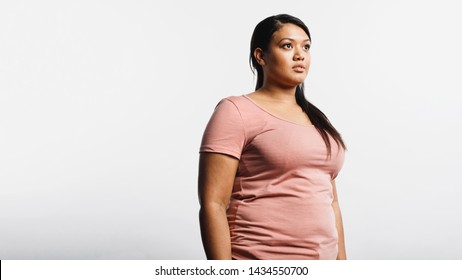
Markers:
point(281, 202)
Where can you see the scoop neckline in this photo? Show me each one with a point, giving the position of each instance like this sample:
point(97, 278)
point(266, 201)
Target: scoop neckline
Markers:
point(277, 117)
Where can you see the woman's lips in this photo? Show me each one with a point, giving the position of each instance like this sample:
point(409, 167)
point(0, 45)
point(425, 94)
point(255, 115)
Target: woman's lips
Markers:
point(299, 69)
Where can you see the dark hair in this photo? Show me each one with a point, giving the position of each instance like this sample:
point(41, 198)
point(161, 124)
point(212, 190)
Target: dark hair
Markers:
point(261, 38)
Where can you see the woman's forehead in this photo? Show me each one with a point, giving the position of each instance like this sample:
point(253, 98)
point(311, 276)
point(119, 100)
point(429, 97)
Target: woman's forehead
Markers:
point(291, 32)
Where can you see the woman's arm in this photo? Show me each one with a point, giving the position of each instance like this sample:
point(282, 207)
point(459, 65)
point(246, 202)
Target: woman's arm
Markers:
point(216, 178)
point(338, 220)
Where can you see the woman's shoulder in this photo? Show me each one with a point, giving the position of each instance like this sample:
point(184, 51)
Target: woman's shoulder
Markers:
point(236, 98)
point(240, 101)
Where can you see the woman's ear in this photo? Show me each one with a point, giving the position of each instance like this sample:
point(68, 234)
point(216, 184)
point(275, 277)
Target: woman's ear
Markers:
point(258, 54)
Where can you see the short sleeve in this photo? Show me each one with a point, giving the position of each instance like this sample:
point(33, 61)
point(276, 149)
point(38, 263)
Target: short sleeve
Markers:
point(339, 161)
point(225, 131)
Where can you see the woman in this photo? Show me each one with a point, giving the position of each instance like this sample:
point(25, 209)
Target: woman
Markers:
point(268, 163)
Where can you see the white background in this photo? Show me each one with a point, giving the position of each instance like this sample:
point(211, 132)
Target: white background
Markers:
point(103, 105)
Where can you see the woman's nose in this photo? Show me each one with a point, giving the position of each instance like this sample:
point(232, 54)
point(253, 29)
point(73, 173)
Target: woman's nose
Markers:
point(299, 57)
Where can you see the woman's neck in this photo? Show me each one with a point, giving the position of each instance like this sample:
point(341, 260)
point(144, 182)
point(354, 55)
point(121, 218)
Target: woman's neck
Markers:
point(279, 94)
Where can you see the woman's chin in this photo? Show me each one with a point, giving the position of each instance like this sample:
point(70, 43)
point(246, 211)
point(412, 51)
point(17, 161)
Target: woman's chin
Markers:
point(295, 83)
point(298, 80)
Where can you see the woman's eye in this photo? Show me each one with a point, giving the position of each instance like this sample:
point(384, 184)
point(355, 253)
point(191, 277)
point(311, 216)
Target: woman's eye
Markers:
point(288, 46)
point(307, 47)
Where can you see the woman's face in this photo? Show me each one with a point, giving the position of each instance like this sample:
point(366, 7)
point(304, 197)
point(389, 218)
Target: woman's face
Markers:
point(287, 60)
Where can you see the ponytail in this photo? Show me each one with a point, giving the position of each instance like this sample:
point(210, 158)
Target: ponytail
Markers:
point(319, 120)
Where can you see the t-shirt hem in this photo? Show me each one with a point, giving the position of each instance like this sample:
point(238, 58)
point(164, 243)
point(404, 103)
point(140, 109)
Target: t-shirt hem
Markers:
point(221, 151)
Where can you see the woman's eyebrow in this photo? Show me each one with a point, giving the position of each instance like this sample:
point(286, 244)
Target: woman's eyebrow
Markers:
point(290, 39)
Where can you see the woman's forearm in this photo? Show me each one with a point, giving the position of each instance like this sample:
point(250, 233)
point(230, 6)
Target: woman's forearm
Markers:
point(215, 232)
point(341, 237)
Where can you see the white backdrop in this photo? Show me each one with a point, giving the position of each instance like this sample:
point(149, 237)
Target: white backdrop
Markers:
point(103, 105)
